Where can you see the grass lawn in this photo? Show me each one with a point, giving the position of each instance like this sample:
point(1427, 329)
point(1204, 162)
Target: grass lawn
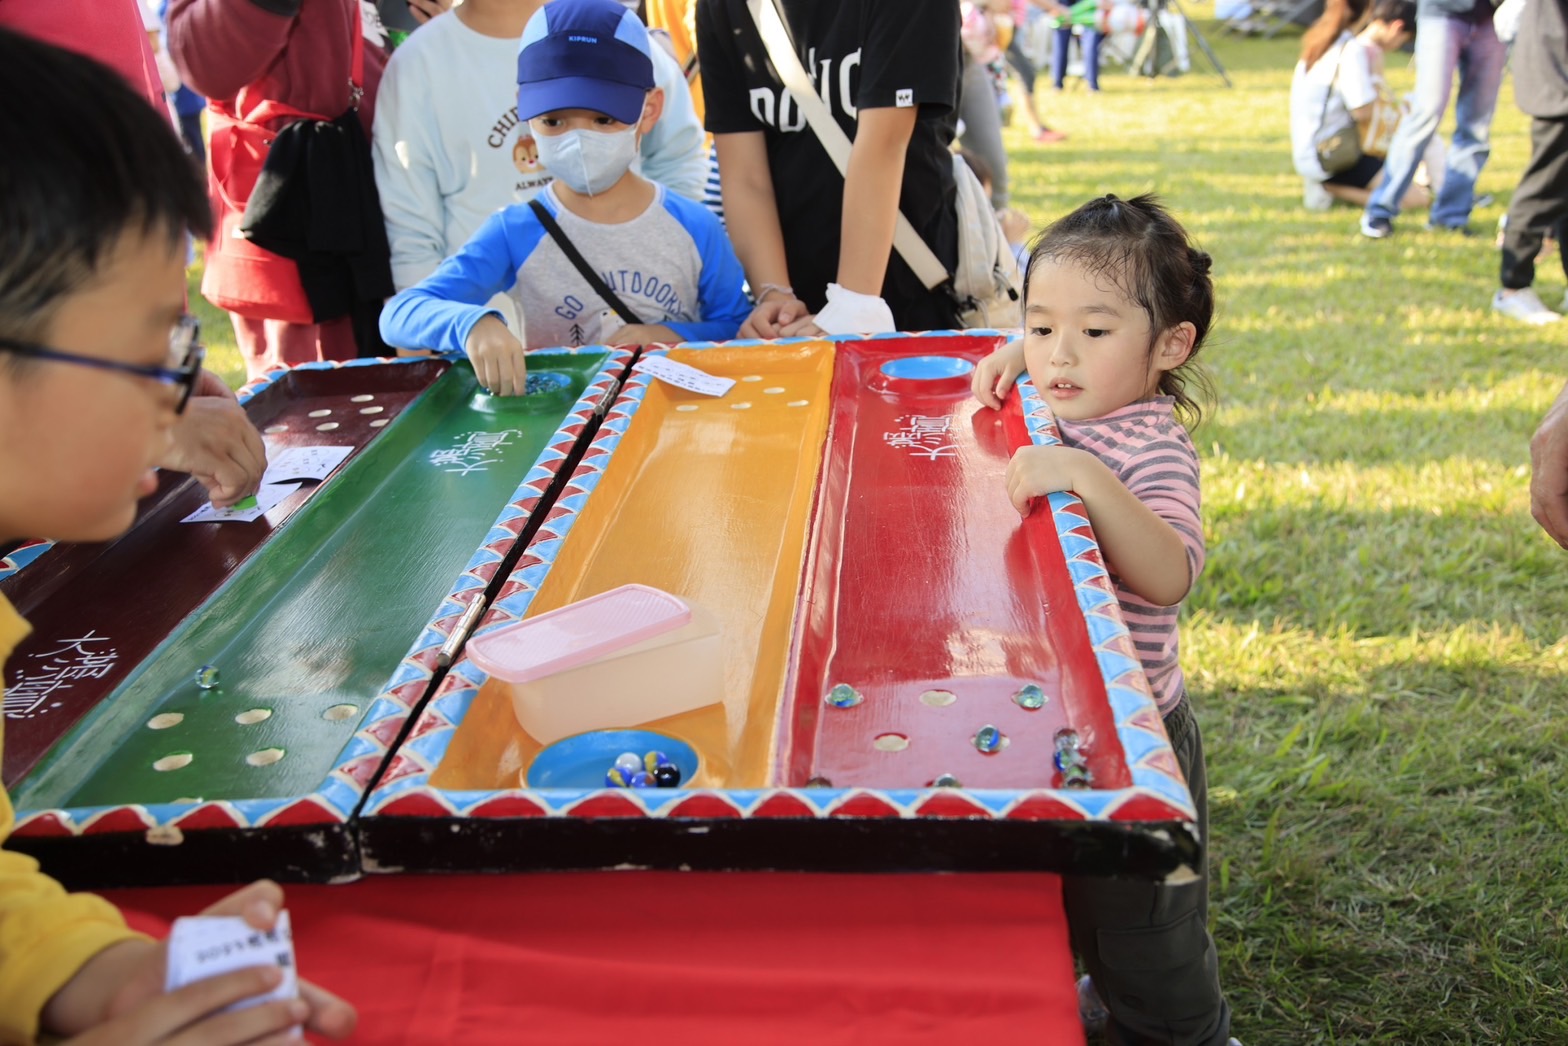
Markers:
point(1376, 649)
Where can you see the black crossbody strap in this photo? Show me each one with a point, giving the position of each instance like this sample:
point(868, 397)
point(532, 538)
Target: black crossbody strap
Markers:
point(599, 286)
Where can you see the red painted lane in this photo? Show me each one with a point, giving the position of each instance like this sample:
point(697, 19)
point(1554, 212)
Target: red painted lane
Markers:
point(926, 593)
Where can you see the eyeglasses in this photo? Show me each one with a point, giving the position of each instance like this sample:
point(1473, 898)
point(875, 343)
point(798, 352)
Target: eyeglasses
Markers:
point(184, 345)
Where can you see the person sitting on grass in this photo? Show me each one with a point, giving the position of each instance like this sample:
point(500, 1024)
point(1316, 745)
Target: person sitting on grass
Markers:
point(97, 361)
point(1338, 79)
point(1117, 303)
point(585, 85)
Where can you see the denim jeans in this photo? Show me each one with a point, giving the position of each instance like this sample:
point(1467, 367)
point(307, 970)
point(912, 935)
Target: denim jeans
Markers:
point(1445, 45)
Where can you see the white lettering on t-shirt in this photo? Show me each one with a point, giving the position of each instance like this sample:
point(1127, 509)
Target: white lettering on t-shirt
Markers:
point(775, 106)
point(850, 63)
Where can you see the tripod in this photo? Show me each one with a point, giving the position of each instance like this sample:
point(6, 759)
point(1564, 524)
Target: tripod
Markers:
point(1145, 58)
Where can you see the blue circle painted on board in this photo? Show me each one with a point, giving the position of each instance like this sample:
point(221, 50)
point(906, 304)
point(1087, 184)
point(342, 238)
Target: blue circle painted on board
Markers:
point(927, 368)
point(580, 761)
point(544, 390)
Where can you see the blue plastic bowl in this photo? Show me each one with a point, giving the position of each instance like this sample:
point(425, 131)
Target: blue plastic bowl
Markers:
point(581, 761)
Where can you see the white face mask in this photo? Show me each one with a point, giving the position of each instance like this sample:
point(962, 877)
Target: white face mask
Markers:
point(588, 161)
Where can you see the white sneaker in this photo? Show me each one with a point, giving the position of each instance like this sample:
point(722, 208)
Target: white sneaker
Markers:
point(1314, 196)
point(1523, 305)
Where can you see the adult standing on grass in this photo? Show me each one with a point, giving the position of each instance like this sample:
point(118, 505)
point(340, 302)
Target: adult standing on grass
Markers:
point(1451, 36)
point(814, 241)
point(1541, 202)
point(263, 64)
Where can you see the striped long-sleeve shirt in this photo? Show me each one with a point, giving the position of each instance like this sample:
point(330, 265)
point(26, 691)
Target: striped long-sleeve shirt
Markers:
point(1150, 452)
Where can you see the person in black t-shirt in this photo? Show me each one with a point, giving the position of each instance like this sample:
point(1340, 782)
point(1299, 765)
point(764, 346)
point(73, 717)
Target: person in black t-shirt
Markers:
point(889, 72)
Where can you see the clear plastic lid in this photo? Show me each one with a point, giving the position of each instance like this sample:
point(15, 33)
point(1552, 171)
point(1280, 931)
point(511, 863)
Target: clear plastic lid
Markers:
point(578, 633)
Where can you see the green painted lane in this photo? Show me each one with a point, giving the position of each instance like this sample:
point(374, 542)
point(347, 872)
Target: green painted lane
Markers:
point(310, 629)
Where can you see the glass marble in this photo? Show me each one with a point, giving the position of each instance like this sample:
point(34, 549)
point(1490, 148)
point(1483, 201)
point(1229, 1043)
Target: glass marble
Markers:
point(615, 779)
point(653, 760)
point(1067, 737)
point(844, 696)
point(628, 763)
point(946, 781)
point(545, 382)
point(642, 779)
point(207, 677)
point(1029, 698)
point(1067, 757)
point(819, 782)
point(988, 740)
point(667, 775)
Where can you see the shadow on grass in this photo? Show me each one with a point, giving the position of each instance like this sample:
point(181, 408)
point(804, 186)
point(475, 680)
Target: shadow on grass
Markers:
point(1497, 435)
point(1382, 847)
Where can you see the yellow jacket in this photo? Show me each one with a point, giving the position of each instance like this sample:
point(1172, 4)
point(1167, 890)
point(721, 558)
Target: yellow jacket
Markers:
point(46, 934)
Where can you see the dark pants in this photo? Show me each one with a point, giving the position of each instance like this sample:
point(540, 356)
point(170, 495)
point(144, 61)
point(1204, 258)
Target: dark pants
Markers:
point(1540, 203)
point(190, 130)
point(977, 106)
point(1146, 944)
point(1091, 56)
point(1021, 63)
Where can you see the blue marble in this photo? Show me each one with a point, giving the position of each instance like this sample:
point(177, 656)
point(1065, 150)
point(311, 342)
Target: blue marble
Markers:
point(207, 677)
point(988, 740)
point(844, 696)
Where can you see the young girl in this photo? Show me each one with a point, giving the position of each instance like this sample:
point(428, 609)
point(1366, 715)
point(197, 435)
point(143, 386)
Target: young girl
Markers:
point(1117, 304)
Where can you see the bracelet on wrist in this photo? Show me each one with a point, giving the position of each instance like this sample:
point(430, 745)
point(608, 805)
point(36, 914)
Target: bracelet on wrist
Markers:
point(768, 288)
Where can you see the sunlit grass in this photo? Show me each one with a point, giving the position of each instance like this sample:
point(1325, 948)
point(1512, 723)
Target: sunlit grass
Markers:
point(1376, 647)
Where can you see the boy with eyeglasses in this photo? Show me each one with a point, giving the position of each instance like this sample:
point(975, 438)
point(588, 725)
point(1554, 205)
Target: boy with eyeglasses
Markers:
point(97, 359)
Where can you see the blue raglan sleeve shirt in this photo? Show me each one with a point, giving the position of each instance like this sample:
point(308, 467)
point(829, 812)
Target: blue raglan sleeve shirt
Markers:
point(438, 312)
point(721, 294)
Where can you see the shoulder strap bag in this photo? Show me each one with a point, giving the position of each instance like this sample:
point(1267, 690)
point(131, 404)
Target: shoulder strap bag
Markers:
point(600, 288)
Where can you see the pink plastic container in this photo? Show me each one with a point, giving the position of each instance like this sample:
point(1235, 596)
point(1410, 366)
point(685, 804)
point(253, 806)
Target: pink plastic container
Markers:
point(619, 659)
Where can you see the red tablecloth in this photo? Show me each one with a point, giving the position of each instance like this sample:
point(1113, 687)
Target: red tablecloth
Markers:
point(740, 959)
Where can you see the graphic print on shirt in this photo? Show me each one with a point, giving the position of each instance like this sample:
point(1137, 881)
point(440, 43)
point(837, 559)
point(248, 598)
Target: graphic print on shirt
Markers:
point(775, 106)
point(589, 321)
point(525, 153)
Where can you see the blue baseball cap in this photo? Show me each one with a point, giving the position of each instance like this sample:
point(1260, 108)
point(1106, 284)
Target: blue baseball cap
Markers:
point(584, 54)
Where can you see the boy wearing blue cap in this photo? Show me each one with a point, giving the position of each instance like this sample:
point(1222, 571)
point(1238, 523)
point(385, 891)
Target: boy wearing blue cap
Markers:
point(585, 84)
